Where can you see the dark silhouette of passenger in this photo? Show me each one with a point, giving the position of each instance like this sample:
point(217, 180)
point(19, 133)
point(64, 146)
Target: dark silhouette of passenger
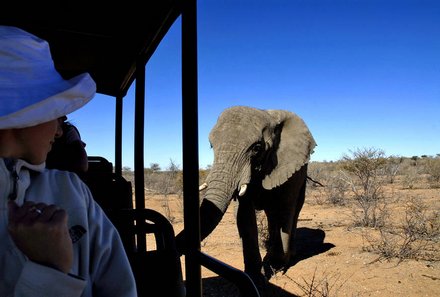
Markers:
point(68, 151)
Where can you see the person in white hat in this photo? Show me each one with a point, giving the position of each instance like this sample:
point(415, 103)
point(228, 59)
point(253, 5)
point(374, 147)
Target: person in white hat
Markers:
point(54, 239)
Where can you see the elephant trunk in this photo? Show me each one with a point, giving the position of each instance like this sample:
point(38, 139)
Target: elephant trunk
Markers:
point(220, 193)
point(222, 187)
point(210, 216)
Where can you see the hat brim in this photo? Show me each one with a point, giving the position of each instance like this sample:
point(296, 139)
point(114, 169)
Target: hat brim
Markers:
point(81, 89)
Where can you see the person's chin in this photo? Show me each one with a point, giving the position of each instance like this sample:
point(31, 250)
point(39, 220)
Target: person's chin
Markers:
point(37, 160)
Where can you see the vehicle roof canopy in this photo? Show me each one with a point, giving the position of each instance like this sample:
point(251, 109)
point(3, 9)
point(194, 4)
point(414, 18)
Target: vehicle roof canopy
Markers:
point(106, 41)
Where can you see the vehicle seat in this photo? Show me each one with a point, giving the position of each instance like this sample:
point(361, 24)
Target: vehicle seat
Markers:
point(156, 267)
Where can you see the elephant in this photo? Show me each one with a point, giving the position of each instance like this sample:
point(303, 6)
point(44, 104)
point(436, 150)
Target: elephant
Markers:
point(260, 159)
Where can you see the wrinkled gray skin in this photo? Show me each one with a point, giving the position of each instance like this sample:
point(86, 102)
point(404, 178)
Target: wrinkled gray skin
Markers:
point(260, 158)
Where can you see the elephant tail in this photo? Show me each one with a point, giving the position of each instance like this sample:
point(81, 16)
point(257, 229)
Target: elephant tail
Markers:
point(314, 181)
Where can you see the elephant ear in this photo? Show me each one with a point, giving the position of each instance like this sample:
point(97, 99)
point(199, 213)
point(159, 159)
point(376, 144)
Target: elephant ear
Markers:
point(295, 146)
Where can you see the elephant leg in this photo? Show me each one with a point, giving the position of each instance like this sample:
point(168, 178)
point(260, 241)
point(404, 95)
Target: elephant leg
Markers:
point(248, 231)
point(282, 216)
point(299, 204)
point(277, 251)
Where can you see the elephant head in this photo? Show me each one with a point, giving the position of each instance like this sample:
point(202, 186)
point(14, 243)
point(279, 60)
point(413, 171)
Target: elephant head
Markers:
point(257, 153)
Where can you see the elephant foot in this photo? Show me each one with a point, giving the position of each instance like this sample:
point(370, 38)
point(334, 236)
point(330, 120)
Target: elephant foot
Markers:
point(268, 270)
point(273, 264)
point(260, 280)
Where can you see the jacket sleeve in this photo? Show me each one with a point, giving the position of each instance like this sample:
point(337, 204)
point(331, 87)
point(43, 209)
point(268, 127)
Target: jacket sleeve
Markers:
point(110, 269)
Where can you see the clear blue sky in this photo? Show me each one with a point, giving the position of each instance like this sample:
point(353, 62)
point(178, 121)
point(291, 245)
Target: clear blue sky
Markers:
point(360, 73)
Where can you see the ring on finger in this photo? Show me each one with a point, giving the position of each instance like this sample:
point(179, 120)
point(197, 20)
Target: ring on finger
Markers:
point(35, 209)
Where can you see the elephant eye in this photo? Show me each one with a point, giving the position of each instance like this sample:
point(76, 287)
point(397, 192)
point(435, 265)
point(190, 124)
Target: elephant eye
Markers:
point(257, 147)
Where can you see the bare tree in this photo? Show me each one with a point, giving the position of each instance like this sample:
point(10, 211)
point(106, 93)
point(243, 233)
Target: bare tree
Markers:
point(364, 166)
point(433, 169)
point(392, 167)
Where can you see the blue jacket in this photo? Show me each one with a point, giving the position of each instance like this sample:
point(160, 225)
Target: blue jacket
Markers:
point(100, 268)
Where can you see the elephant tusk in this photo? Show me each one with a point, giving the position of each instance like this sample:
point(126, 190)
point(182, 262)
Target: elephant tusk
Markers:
point(203, 186)
point(243, 189)
point(285, 237)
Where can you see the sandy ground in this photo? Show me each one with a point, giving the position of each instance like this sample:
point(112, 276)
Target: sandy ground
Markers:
point(332, 260)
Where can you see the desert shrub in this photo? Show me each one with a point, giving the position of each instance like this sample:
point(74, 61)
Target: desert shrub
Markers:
point(432, 168)
point(316, 172)
point(364, 167)
point(128, 174)
point(416, 236)
point(170, 185)
point(420, 221)
point(336, 189)
point(412, 177)
point(320, 170)
point(164, 182)
point(331, 188)
point(326, 285)
point(391, 168)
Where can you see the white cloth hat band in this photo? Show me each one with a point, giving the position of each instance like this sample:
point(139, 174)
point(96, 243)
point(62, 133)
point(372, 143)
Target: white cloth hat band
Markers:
point(31, 90)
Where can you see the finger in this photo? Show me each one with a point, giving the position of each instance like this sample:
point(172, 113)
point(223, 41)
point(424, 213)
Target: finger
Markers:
point(59, 215)
point(32, 215)
point(48, 212)
point(27, 208)
point(39, 208)
point(20, 215)
point(17, 213)
point(32, 211)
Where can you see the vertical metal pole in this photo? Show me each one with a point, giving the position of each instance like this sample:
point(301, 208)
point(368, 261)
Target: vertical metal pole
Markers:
point(139, 120)
point(190, 148)
point(118, 136)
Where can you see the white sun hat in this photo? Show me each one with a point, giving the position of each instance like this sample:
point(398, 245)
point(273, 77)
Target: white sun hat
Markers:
point(31, 90)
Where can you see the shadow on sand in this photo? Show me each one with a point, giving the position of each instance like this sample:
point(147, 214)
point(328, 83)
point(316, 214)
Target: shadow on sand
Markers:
point(309, 242)
point(220, 287)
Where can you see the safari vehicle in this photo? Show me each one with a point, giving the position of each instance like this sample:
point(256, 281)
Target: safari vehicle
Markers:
point(114, 42)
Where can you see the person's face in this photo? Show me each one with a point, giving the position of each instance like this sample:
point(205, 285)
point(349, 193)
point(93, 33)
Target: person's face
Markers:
point(36, 141)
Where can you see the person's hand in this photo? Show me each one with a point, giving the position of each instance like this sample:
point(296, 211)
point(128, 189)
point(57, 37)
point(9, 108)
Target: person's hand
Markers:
point(40, 231)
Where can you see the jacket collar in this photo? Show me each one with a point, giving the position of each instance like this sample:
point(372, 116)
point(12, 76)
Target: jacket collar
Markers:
point(18, 164)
